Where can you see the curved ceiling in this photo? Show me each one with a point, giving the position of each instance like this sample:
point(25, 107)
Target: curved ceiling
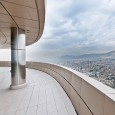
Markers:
point(26, 14)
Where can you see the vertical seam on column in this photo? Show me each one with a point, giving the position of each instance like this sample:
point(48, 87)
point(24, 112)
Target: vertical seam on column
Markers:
point(17, 55)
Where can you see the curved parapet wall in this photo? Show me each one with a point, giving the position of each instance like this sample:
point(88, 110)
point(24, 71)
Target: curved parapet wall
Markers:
point(88, 96)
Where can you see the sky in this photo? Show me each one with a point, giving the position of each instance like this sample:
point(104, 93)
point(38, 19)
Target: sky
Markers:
point(75, 27)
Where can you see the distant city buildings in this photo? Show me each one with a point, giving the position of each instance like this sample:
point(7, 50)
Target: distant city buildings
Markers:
point(102, 70)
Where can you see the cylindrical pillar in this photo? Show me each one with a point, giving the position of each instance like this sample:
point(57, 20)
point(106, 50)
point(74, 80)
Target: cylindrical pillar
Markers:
point(18, 71)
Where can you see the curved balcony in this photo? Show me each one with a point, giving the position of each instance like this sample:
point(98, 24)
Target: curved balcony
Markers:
point(88, 96)
point(42, 96)
point(24, 14)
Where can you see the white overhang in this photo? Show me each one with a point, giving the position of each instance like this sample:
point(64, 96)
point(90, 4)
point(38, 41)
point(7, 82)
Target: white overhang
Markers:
point(26, 14)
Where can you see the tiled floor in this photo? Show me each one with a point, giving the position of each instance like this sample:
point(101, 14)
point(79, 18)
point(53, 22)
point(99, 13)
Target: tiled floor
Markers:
point(42, 96)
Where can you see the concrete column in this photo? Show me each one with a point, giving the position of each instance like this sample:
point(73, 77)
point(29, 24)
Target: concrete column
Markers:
point(18, 71)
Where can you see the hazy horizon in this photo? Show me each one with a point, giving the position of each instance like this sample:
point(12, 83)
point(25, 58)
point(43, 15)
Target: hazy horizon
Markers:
point(36, 57)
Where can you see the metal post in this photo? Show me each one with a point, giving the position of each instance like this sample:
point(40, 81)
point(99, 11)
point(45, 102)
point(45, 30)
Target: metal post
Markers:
point(18, 71)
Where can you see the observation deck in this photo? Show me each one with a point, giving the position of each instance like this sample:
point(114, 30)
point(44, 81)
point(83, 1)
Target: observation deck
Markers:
point(42, 96)
point(86, 95)
point(49, 89)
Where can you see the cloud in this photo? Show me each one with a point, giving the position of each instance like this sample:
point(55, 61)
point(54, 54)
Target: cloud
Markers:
point(78, 26)
point(6, 55)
